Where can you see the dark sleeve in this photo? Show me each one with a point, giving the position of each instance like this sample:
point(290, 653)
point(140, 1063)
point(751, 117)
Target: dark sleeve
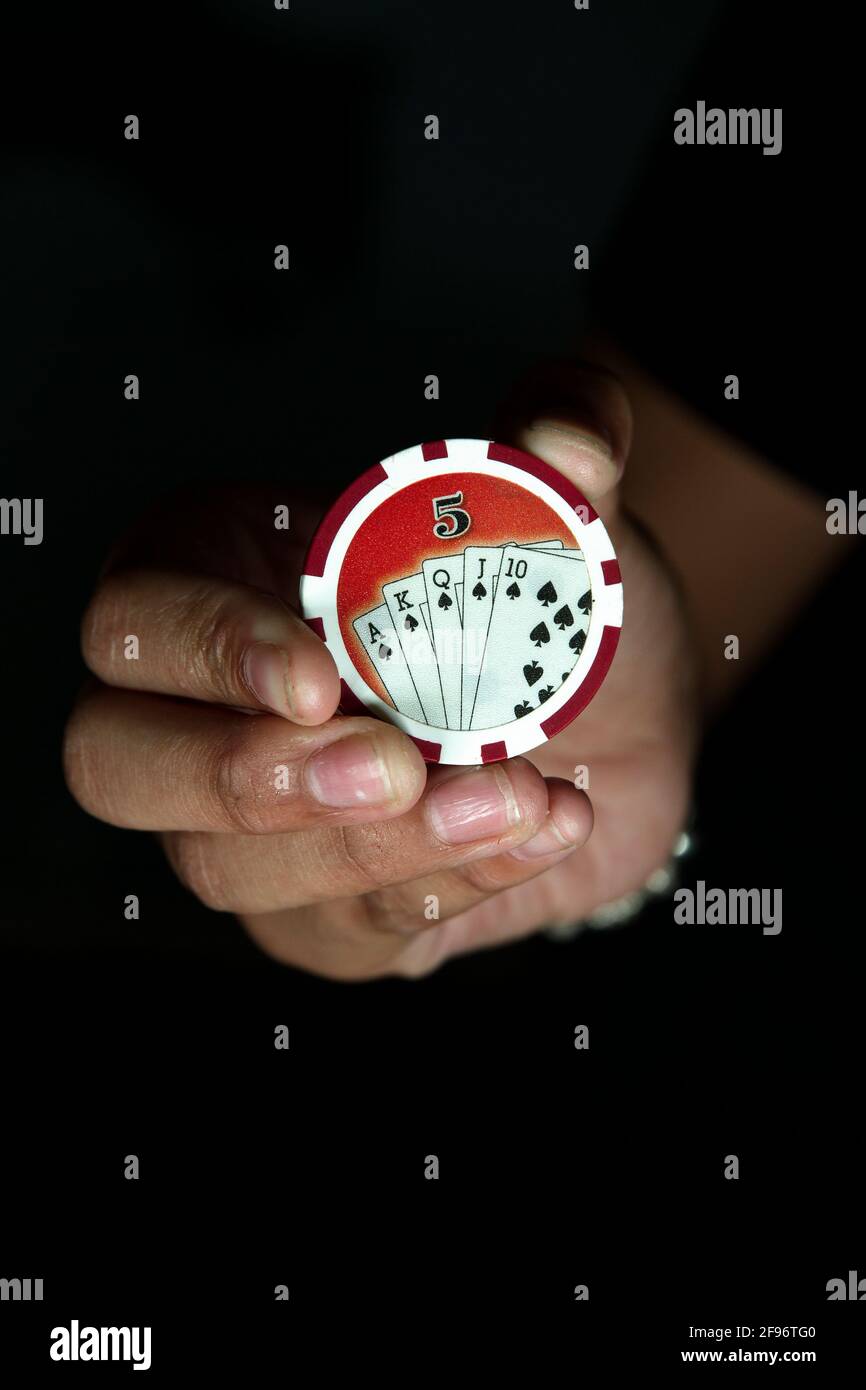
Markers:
point(700, 280)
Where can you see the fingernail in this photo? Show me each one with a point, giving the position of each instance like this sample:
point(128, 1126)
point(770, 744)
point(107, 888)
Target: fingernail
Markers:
point(266, 672)
point(350, 772)
point(592, 437)
point(573, 445)
point(549, 840)
point(473, 806)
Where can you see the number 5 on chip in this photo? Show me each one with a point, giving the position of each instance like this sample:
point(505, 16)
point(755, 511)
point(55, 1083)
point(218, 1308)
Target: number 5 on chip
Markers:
point(469, 594)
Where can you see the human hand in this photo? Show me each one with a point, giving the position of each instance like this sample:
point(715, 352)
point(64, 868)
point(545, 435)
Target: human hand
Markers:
point(326, 834)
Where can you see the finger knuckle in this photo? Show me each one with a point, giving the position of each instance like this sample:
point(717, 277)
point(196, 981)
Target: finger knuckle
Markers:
point(209, 651)
point(364, 853)
point(235, 783)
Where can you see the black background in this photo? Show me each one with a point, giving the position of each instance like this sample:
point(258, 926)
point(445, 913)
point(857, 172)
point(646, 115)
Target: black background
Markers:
point(156, 1037)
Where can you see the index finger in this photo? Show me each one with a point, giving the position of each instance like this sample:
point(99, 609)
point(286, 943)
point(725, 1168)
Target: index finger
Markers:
point(208, 639)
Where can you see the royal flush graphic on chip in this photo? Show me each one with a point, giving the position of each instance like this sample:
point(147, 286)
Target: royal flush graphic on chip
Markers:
point(469, 594)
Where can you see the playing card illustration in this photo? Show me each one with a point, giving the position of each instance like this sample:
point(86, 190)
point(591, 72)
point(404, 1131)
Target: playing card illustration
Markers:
point(382, 645)
point(481, 564)
point(481, 637)
point(441, 578)
point(536, 633)
point(405, 599)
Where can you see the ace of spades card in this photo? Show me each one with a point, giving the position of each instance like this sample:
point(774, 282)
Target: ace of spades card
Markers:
point(538, 628)
point(380, 641)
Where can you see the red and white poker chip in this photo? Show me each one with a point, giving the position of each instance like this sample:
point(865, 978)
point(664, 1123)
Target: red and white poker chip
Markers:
point(388, 586)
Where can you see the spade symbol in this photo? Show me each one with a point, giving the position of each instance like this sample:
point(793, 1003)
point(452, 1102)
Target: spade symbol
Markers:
point(577, 641)
point(547, 594)
point(539, 634)
point(533, 673)
point(513, 591)
point(384, 652)
point(545, 694)
point(520, 710)
point(410, 623)
point(444, 601)
point(584, 603)
point(479, 591)
point(564, 618)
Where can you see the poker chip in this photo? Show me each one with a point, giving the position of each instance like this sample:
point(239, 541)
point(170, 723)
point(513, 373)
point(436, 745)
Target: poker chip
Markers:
point(469, 594)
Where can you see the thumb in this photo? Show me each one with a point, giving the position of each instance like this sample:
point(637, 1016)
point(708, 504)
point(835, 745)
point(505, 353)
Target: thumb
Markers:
point(577, 418)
